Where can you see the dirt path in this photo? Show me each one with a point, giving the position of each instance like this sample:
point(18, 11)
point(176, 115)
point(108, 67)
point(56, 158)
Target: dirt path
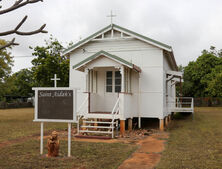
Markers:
point(22, 139)
point(148, 154)
point(15, 141)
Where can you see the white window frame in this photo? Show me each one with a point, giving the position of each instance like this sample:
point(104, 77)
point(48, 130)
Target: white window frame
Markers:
point(113, 81)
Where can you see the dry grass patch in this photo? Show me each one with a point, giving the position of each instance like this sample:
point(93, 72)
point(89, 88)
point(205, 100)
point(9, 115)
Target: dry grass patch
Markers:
point(84, 155)
point(17, 123)
point(195, 144)
point(19, 150)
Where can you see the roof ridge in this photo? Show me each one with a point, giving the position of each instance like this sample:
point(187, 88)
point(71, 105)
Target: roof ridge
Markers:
point(111, 26)
point(142, 36)
point(85, 39)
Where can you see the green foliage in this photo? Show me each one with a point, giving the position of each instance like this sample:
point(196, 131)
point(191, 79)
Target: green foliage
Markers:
point(201, 76)
point(214, 82)
point(6, 61)
point(23, 82)
point(18, 84)
point(50, 61)
point(213, 51)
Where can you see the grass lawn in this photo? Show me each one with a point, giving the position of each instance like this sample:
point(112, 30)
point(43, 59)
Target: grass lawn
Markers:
point(17, 123)
point(84, 155)
point(194, 144)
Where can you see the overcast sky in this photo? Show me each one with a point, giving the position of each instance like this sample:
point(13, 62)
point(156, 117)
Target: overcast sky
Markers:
point(189, 26)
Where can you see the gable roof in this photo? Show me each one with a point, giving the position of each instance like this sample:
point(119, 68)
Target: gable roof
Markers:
point(124, 30)
point(108, 55)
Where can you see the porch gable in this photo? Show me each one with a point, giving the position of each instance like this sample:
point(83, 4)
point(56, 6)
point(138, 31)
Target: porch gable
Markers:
point(115, 58)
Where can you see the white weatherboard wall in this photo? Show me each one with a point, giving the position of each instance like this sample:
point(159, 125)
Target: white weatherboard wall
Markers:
point(147, 57)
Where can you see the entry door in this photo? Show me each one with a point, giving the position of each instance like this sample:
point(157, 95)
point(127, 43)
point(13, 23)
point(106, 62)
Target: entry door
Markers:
point(111, 89)
point(104, 99)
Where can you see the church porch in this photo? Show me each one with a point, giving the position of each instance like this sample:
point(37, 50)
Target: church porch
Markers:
point(110, 88)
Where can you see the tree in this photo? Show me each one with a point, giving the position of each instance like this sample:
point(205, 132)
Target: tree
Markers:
point(197, 74)
point(6, 61)
point(24, 82)
point(50, 61)
point(18, 84)
point(214, 82)
point(16, 5)
point(213, 51)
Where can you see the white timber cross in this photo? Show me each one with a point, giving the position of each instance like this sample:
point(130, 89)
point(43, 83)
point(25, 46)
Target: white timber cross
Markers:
point(111, 17)
point(55, 80)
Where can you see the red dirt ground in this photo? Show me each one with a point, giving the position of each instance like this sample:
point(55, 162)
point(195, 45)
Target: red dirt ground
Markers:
point(148, 154)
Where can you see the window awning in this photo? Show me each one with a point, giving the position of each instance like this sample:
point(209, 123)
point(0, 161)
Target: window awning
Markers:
point(79, 66)
point(174, 75)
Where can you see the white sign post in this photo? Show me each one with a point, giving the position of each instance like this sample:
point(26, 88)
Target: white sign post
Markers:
point(41, 139)
point(68, 96)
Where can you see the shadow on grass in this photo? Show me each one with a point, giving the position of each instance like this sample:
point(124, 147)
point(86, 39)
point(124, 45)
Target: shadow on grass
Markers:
point(182, 116)
point(178, 121)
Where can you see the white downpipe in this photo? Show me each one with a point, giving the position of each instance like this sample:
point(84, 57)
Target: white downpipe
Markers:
point(122, 79)
point(139, 104)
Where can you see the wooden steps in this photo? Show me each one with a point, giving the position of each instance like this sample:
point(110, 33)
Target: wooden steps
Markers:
point(97, 127)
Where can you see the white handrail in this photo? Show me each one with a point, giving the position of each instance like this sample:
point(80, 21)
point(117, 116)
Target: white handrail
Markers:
point(115, 106)
point(78, 111)
point(83, 103)
point(184, 102)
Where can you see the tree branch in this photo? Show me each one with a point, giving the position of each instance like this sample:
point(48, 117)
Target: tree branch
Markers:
point(12, 42)
point(16, 31)
point(18, 4)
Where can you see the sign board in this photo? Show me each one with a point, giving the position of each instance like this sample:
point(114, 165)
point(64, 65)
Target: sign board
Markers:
point(55, 104)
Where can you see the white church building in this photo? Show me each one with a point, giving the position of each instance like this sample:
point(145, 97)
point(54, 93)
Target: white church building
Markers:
point(124, 75)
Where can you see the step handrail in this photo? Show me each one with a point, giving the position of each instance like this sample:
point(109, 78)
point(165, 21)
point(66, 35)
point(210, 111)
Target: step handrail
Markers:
point(78, 111)
point(83, 104)
point(115, 106)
